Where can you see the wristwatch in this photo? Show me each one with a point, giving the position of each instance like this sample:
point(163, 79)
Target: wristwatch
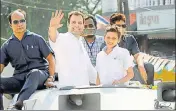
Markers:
point(53, 78)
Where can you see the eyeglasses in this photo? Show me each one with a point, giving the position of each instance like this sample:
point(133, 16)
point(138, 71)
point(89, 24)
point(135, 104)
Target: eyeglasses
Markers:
point(109, 27)
point(123, 25)
point(19, 21)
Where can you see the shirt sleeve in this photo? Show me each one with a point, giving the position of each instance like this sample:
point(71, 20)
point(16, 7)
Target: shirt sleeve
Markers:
point(58, 39)
point(44, 47)
point(52, 44)
point(4, 56)
point(134, 46)
point(128, 61)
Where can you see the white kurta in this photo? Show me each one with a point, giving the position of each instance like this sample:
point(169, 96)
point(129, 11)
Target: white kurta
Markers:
point(114, 65)
point(72, 61)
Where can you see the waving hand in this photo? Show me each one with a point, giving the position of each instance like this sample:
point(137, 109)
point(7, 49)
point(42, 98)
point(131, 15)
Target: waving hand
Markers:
point(56, 19)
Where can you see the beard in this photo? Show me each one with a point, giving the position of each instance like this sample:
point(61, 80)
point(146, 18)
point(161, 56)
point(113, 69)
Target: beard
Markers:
point(90, 36)
point(89, 33)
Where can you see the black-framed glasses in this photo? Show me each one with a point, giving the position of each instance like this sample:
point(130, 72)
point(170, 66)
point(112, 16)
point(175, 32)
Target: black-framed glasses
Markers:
point(19, 21)
point(123, 25)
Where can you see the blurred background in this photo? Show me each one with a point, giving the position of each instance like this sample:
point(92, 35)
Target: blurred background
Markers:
point(152, 22)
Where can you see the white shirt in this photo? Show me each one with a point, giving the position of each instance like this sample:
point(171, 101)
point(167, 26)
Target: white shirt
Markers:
point(72, 61)
point(114, 65)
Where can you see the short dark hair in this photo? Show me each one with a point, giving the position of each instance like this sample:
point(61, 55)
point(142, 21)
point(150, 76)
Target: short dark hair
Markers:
point(117, 17)
point(75, 13)
point(113, 28)
point(18, 10)
point(93, 18)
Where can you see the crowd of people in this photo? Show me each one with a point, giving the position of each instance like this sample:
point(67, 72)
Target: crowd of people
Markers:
point(77, 57)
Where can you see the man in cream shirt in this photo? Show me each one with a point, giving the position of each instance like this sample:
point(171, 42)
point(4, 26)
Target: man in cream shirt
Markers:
point(72, 61)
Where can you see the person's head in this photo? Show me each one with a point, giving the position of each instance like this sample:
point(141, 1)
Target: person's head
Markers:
point(120, 20)
point(76, 22)
point(17, 21)
point(90, 26)
point(112, 36)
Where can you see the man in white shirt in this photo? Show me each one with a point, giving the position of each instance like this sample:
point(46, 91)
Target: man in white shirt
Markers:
point(114, 64)
point(72, 61)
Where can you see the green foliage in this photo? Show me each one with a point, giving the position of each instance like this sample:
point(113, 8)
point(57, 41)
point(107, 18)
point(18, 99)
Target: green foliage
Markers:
point(39, 13)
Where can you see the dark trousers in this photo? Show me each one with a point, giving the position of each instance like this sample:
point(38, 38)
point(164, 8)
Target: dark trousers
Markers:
point(150, 74)
point(25, 84)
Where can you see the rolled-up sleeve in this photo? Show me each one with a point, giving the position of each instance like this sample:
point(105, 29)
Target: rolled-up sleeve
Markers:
point(4, 56)
point(58, 39)
point(134, 46)
point(44, 47)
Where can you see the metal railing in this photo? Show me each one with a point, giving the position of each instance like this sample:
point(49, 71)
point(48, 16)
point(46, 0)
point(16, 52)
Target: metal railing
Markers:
point(133, 4)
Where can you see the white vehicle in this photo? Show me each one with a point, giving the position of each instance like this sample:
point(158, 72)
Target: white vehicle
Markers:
point(128, 96)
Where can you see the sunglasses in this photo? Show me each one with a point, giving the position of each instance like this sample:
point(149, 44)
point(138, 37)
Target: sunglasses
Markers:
point(123, 25)
point(19, 21)
point(109, 27)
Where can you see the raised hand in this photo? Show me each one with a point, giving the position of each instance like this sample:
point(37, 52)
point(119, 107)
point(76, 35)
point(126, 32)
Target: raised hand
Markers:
point(56, 18)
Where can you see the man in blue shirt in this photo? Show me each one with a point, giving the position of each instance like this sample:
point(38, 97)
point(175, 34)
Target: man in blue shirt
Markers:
point(31, 57)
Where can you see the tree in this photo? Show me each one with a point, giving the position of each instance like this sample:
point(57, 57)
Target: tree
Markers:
point(39, 13)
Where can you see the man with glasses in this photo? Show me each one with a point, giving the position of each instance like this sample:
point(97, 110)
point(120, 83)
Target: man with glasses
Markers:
point(143, 72)
point(31, 57)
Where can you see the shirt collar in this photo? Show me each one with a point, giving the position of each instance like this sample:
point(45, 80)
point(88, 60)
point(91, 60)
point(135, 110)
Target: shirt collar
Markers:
point(73, 35)
point(27, 33)
point(123, 37)
point(104, 49)
point(95, 39)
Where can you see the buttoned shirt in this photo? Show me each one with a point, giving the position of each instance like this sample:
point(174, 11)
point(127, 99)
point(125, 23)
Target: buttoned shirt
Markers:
point(26, 54)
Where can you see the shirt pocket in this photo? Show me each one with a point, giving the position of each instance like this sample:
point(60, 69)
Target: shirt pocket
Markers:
point(117, 64)
point(32, 51)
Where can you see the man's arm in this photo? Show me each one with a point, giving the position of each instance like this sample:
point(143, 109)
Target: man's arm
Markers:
point(55, 24)
point(51, 62)
point(98, 80)
point(141, 68)
point(138, 58)
point(47, 53)
point(1, 68)
point(4, 58)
